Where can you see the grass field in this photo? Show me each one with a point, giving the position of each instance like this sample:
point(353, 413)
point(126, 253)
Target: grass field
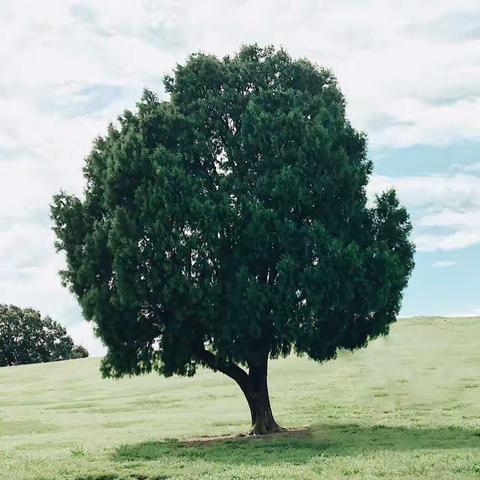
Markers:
point(408, 406)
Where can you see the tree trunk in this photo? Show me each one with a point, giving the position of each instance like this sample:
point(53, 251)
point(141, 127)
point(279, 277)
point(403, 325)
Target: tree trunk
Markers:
point(259, 400)
point(253, 385)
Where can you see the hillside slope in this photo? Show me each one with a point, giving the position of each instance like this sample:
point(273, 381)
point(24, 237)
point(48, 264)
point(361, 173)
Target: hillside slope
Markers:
point(408, 406)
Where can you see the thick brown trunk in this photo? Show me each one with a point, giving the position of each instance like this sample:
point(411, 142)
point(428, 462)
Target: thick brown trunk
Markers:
point(259, 400)
point(254, 387)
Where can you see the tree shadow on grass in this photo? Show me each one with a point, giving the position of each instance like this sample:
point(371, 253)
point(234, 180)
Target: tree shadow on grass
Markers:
point(297, 447)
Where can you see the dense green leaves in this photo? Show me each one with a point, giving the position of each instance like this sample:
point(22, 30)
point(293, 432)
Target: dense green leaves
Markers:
point(78, 351)
point(233, 217)
point(26, 337)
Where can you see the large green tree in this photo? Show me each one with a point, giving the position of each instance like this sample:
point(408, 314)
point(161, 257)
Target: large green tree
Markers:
point(229, 224)
point(27, 337)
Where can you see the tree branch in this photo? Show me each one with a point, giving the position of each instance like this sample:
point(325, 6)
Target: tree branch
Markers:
point(230, 369)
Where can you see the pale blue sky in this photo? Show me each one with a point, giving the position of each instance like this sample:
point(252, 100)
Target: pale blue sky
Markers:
point(410, 71)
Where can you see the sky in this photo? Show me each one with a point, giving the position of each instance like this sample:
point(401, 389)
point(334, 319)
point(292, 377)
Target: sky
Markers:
point(410, 72)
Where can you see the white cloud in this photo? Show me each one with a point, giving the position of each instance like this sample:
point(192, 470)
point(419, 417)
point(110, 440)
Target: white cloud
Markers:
point(391, 66)
point(473, 168)
point(444, 264)
point(421, 191)
point(445, 209)
point(29, 278)
point(82, 334)
point(415, 122)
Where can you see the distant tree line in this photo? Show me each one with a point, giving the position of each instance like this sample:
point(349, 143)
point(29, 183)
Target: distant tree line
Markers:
point(27, 337)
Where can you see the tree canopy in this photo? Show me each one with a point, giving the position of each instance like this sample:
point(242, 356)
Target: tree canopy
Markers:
point(26, 337)
point(229, 224)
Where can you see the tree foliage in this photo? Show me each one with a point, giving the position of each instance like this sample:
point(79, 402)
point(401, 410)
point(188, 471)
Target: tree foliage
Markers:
point(26, 337)
point(78, 351)
point(229, 224)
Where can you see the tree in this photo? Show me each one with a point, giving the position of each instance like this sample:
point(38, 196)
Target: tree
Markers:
point(229, 224)
point(26, 337)
point(79, 351)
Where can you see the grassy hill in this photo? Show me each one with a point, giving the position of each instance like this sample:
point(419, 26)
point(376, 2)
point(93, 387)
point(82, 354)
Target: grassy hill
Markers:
point(408, 406)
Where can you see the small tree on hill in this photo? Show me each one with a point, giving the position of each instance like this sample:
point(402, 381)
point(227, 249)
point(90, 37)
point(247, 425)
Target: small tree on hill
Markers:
point(229, 225)
point(79, 351)
point(26, 337)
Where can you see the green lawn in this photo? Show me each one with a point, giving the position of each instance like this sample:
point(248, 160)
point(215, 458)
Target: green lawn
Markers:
point(408, 406)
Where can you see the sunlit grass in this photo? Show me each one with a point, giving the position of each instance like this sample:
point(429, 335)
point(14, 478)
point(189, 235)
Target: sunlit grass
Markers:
point(408, 406)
